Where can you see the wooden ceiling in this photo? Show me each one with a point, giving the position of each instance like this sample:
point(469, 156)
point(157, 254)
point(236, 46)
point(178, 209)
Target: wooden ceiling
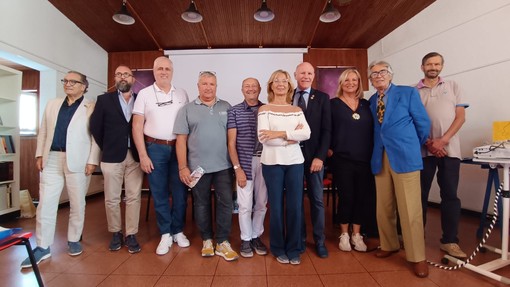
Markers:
point(230, 23)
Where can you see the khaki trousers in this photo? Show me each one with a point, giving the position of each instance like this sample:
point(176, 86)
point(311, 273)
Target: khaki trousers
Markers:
point(400, 191)
point(129, 173)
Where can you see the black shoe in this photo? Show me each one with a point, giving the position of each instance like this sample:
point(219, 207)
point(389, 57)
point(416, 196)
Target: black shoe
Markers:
point(117, 241)
point(132, 244)
point(259, 247)
point(321, 250)
point(246, 250)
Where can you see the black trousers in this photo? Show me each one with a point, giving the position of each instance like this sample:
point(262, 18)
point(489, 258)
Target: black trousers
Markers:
point(448, 181)
point(356, 187)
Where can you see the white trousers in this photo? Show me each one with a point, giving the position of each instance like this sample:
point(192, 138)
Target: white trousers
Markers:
point(129, 173)
point(53, 177)
point(252, 200)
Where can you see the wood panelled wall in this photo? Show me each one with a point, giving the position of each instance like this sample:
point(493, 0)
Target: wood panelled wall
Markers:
point(134, 60)
point(29, 176)
point(340, 57)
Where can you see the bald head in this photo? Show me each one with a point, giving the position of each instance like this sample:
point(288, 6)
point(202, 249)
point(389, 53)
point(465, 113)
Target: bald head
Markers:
point(304, 75)
point(163, 72)
point(251, 91)
point(162, 61)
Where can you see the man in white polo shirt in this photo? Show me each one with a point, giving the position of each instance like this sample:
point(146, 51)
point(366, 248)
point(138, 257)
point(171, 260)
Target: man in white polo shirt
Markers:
point(153, 119)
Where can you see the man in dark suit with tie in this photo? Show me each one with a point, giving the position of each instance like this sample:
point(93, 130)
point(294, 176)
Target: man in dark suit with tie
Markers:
point(111, 126)
point(315, 105)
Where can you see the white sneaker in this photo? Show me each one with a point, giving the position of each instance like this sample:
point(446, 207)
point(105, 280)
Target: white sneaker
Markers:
point(357, 241)
point(181, 239)
point(344, 244)
point(165, 244)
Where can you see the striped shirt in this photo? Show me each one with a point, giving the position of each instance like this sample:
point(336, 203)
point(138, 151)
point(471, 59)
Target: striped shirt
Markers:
point(243, 118)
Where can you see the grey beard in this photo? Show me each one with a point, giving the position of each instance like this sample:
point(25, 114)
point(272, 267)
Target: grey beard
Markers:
point(123, 87)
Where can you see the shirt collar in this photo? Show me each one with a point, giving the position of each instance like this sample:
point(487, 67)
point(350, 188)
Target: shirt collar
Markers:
point(421, 84)
point(387, 89)
point(198, 101)
point(77, 102)
point(308, 90)
point(156, 88)
point(120, 94)
point(247, 107)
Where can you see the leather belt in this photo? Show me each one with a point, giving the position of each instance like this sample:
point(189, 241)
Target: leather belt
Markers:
point(158, 141)
point(61, 149)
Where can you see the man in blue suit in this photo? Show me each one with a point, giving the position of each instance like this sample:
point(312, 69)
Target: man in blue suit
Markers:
point(401, 127)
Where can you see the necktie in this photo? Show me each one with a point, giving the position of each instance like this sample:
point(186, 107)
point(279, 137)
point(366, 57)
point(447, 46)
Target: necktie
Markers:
point(380, 108)
point(301, 100)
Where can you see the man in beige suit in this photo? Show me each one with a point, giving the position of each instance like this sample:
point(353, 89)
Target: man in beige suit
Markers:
point(66, 154)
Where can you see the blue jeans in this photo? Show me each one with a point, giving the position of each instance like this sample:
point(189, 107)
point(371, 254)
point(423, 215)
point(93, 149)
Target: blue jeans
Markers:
point(284, 186)
point(315, 191)
point(163, 182)
point(448, 181)
point(222, 182)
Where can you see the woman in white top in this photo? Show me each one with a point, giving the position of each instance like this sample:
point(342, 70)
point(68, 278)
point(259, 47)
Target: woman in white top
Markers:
point(281, 127)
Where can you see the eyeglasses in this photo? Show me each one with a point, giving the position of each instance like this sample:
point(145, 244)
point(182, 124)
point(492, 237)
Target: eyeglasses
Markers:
point(162, 104)
point(283, 81)
point(210, 73)
point(124, 75)
point(70, 82)
point(381, 73)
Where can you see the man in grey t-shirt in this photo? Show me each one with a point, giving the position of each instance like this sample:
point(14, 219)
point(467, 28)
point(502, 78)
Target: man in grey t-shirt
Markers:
point(201, 129)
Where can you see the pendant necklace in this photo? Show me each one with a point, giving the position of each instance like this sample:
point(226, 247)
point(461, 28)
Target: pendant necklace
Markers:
point(355, 115)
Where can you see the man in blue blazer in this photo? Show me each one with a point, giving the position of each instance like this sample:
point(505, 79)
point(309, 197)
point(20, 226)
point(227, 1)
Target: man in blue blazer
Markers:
point(315, 105)
point(401, 127)
point(111, 126)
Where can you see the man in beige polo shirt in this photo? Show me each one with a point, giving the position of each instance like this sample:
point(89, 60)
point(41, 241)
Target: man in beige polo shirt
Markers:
point(443, 101)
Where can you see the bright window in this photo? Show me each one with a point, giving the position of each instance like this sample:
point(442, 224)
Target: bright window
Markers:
point(28, 114)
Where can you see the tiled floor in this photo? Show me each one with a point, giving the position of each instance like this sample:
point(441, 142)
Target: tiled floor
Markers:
point(185, 267)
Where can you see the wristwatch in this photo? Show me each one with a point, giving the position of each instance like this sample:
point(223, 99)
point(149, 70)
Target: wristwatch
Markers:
point(236, 167)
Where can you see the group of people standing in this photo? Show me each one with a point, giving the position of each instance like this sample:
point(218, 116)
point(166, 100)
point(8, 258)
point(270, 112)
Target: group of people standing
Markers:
point(276, 151)
point(400, 137)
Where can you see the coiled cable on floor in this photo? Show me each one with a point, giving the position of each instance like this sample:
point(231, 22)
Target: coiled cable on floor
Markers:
point(484, 239)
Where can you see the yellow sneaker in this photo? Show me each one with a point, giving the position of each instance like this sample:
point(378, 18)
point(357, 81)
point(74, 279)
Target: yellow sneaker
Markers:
point(453, 249)
point(225, 250)
point(207, 248)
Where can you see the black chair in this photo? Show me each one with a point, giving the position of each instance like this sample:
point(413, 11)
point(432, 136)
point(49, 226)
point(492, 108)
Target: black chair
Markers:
point(23, 239)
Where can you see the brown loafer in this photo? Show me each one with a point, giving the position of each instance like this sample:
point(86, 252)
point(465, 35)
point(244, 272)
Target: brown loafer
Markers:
point(384, 253)
point(372, 244)
point(421, 269)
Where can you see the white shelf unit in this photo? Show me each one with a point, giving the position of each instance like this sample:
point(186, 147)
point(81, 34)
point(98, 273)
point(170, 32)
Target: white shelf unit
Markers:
point(10, 90)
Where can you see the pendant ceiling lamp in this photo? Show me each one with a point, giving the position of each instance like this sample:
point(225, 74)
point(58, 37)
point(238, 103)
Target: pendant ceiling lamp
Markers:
point(330, 14)
point(192, 15)
point(264, 14)
point(123, 17)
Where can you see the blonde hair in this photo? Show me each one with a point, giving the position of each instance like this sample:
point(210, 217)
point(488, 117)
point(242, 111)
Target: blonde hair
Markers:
point(290, 90)
point(343, 78)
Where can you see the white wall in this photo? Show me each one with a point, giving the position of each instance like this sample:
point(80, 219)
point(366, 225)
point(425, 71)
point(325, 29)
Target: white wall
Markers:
point(473, 37)
point(34, 33)
point(232, 66)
